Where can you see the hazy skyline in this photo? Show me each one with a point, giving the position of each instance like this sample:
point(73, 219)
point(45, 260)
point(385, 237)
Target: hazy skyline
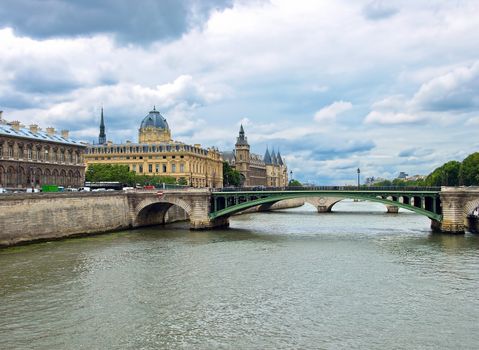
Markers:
point(386, 86)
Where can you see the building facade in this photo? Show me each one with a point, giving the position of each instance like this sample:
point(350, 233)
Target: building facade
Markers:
point(31, 157)
point(269, 171)
point(158, 154)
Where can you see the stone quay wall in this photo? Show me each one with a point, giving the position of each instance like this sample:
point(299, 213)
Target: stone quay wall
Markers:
point(33, 217)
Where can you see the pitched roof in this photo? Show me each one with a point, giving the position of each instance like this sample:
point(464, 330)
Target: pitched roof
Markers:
point(8, 130)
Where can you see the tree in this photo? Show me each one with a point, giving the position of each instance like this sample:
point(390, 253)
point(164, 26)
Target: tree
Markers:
point(122, 174)
point(231, 177)
point(446, 175)
point(295, 183)
point(110, 172)
point(469, 171)
point(182, 181)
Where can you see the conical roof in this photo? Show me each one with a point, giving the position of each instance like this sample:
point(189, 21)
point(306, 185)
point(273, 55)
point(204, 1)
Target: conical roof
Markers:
point(280, 160)
point(267, 157)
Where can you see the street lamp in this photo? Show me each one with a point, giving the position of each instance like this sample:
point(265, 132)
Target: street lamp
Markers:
point(359, 172)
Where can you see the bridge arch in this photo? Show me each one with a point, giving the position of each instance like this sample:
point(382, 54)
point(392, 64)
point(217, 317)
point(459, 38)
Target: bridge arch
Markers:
point(423, 205)
point(152, 211)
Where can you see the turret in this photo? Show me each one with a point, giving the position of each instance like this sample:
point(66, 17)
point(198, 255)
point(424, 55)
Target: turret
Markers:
point(102, 136)
point(242, 155)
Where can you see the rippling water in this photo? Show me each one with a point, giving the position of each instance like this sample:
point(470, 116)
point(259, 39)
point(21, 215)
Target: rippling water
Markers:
point(354, 279)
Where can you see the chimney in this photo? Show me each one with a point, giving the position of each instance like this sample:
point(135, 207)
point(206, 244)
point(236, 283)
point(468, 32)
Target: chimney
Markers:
point(65, 134)
point(51, 131)
point(15, 124)
point(34, 128)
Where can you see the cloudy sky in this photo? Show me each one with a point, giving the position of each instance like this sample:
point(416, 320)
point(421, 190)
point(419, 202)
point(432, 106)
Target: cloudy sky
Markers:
point(385, 86)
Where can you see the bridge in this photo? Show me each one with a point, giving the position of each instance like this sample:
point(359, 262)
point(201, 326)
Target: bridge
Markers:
point(424, 201)
point(45, 216)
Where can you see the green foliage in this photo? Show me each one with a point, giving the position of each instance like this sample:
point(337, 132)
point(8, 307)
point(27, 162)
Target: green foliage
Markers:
point(469, 172)
point(295, 183)
point(452, 173)
point(182, 181)
point(446, 175)
point(231, 177)
point(110, 172)
point(122, 174)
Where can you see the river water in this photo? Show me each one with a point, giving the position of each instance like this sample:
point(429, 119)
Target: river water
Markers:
point(353, 279)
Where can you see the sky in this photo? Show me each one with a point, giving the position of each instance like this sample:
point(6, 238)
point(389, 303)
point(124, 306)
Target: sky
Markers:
point(384, 86)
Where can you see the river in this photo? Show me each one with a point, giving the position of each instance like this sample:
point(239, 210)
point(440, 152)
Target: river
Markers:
point(357, 278)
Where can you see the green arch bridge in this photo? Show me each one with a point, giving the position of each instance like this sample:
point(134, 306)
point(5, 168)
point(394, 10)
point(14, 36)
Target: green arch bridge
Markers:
point(422, 200)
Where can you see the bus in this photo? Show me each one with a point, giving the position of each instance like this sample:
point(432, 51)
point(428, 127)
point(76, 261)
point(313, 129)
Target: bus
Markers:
point(107, 185)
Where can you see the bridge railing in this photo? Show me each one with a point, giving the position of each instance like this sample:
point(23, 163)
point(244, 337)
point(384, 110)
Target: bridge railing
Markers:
point(328, 188)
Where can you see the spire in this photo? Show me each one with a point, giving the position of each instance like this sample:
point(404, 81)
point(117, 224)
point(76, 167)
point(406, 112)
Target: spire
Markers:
point(280, 160)
point(241, 139)
point(267, 157)
point(102, 136)
point(274, 160)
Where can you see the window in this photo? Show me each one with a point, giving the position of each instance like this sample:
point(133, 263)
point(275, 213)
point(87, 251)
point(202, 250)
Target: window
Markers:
point(150, 168)
point(164, 168)
point(141, 168)
point(10, 151)
point(157, 168)
point(29, 153)
point(133, 167)
point(173, 168)
point(182, 168)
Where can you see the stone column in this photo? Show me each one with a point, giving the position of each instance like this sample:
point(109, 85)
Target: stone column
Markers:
point(452, 200)
point(200, 202)
point(392, 209)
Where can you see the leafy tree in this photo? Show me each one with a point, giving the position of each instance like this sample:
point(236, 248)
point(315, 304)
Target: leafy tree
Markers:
point(110, 172)
point(182, 181)
point(446, 175)
point(295, 183)
point(122, 174)
point(469, 171)
point(231, 177)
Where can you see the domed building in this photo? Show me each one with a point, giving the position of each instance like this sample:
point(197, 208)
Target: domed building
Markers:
point(156, 153)
point(154, 128)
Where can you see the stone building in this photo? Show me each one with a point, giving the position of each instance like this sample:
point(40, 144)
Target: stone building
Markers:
point(31, 157)
point(157, 154)
point(269, 171)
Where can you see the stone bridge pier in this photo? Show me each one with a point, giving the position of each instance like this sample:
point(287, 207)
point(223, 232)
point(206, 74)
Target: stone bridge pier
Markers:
point(323, 204)
point(457, 203)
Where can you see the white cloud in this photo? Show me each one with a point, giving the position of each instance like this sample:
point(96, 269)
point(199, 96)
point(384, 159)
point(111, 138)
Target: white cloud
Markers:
point(329, 113)
point(455, 90)
point(390, 118)
point(275, 62)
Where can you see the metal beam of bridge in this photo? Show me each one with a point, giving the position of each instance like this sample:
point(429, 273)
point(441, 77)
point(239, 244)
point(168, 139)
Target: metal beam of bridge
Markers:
point(422, 200)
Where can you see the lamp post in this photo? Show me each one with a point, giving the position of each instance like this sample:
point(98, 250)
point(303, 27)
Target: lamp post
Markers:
point(359, 172)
